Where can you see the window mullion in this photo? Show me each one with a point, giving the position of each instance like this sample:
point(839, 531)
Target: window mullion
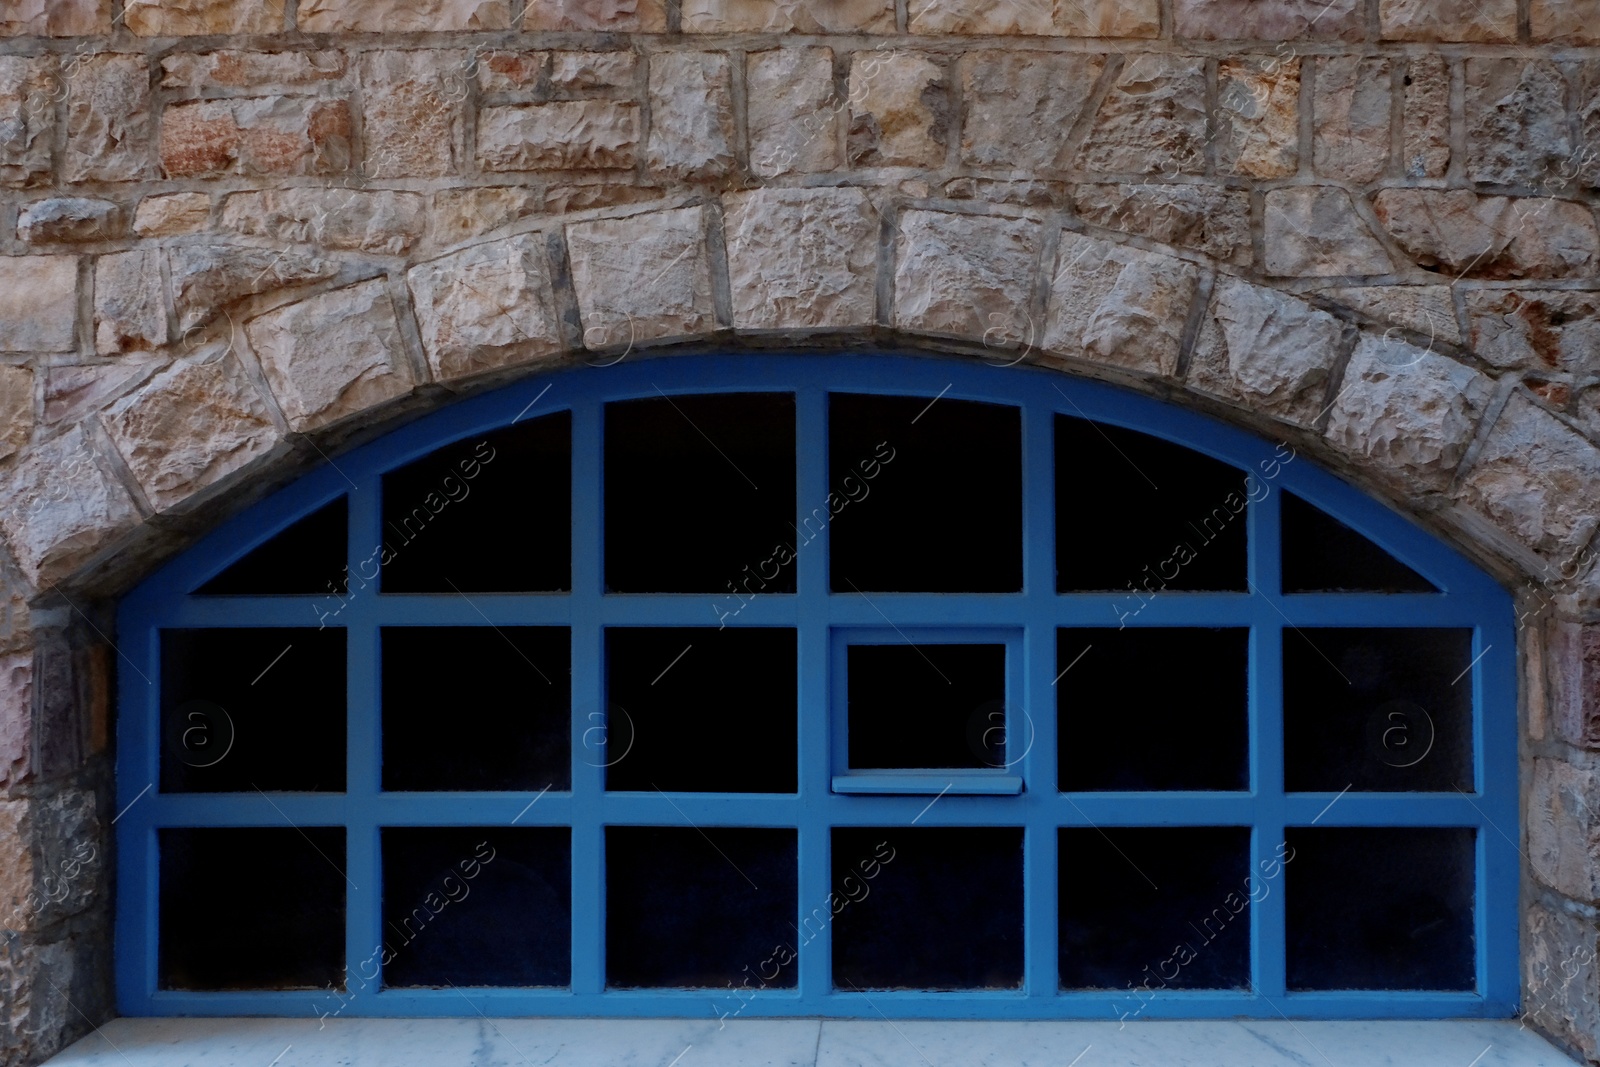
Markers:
point(1266, 883)
point(363, 877)
point(1034, 745)
point(590, 725)
point(815, 650)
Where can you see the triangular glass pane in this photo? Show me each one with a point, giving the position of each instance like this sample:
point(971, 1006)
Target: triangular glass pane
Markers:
point(1323, 555)
point(307, 556)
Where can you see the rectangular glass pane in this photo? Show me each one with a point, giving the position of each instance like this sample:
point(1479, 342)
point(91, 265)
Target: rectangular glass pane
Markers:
point(927, 705)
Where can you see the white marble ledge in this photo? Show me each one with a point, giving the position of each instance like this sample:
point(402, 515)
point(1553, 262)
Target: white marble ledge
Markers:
point(481, 1042)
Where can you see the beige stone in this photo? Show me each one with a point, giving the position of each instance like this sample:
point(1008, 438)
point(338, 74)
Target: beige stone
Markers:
point(27, 119)
point(1267, 351)
point(1108, 18)
point(561, 135)
point(792, 113)
point(17, 894)
point(1426, 120)
point(70, 219)
point(786, 16)
point(899, 110)
point(1316, 231)
point(1351, 142)
point(332, 355)
point(234, 68)
point(1026, 192)
point(61, 508)
point(256, 136)
point(460, 214)
point(1448, 20)
point(583, 196)
point(691, 115)
point(1516, 114)
point(1117, 305)
point(1536, 329)
point(176, 18)
point(55, 18)
point(972, 17)
point(413, 126)
point(1560, 987)
point(1564, 828)
point(129, 311)
point(1020, 106)
point(1277, 20)
point(73, 393)
point(403, 16)
point(617, 16)
point(1203, 217)
point(38, 303)
point(208, 279)
point(486, 307)
point(1153, 121)
point(1537, 479)
point(505, 72)
point(968, 276)
point(384, 221)
point(801, 259)
point(641, 278)
point(1491, 236)
point(583, 71)
point(1258, 112)
point(109, 119)
point(1564, 21)
point(16, 417)
point(172, 214)
point(1422, 309)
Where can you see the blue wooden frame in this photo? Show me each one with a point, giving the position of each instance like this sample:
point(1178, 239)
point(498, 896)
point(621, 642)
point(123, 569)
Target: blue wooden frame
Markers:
point(1468, 598)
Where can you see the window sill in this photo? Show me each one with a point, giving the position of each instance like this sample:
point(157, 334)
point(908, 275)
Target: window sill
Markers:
point(235, 1042)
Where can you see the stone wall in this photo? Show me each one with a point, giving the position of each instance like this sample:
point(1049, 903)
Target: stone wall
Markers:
point(236, 235)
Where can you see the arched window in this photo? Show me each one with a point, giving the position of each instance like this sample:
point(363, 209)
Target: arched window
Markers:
point(770, 685)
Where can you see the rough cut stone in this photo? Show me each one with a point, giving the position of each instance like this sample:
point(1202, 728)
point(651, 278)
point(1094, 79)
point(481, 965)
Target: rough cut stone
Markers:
point(899, 110)
point(206, 279)
point(55, 18)
point(1206, 218)
point(1279, 20)
point(971, 17)
point(1108, 18)
point(16, 412)
point(1024, 193)
point(1491, 236)
point(109, 121)
point(27, 119)
point(486, 307)
point(384, 221)
point(191, 425)
point(802, 259)
point(1351, 141)
point(1516, 116)
point(617, 16)
point(129, 312)
point(561, 135)
point(1153, 121)
point(582, 71)
point(17, 872)
point(413, 126)
point(72, 393)
point(1559, 969)
point(792, 116)
point(1118, 305)
point(1427, 117)
point(70, 218)
point(460, 214)
point(1410, 413)
point(61, 508)
point(172, 214)
point(38, 303)
point(1565, 22)
point(506, 72)
point(560, 199)
point(1423, 309)
point(1448, 20)
point(1563, 828)
point(176, 18)
point(1537, 479)
point(1575, 679)
point(691, 114)
point(1020, 106)
point(233, 68)
point(1584, 163)
point(256, 136)
point(1268, 351)
point(967, 276)
point(16, 733)
point(332, 355)
point(1315, 230)
point(403, 16)
point(785, 16)
point(1537, 329)
point(641, 278)
point(1258, 114)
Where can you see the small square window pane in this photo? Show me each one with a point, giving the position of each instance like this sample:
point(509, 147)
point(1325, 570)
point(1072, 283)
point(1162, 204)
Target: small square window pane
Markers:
point(1322, 554)
point(1381, 908)
point(307, 556)
point(477, 906)
point(688, 907)
point(252, 908)
point(1385, 710)
point(1157, 907)
point(1137, 513)
point(498, 718)
point(927, 705)
point(253, 708)
point(1186, 688)
point(925, 495)
point(943, 912)
point(697, 709)
point(700, 494)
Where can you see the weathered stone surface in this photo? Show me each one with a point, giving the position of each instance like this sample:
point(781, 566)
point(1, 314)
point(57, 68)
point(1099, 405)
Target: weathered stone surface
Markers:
point(171, 214)
point(16, 410)
point(507, 72)
point(1563, 829)
point(403, 16)
point(1258, 116)
point(1575, 681)
point(412, 125)
point(17, 898)
point(1153, 121)
point(1351, 142)
point(1108, 18)
point(129, 312)
point(1023, 193)
point(256, 136)
point(583, 71)
point(207, 279)
point(486, 307)
point(55, 18)
point(1537, 479)
point(1536, 329)
point(1206, 218)
point(802, 258)
point(67, 832)
point(561, 135)
point(1408, 412)
point(1118, 305)
point(1491, 236)
point(582, 196)
point(16, 736)
point(1563, 21)
point(38, 303)
point(1020, 106)
point(384, 221)
point(618, 16)
point(460, 214)
point(27, 119)
point(72, 393)
point(60, 507)
point(332, 355)
point(1559, 971)
point(1427, 117)
point(1584, 163)
point(899, 110)
point(234, 68)
point(792, 115)
point(641, 278)
point(70, 218)
point(1315, 230)
point(1448, 20)
point(1266, 350)
point(1423, 309)
point(691, 114)
point(785, 16)
point(109, 121)
point(966, 275)
point(1282, 20)
point(980, 16)
point(1516, 116)
point(191, 425)
point(175, 18)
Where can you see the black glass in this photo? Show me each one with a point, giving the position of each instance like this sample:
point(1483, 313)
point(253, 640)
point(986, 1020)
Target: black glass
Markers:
point(927, 705)
point(1322, 554)
point(307, 556)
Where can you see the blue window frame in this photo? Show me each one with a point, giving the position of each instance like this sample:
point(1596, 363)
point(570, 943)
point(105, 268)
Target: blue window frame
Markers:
point(261, 858)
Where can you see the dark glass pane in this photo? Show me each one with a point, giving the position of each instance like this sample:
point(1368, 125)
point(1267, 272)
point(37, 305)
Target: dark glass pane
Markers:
point(1156, 908)
point(491, 513)
point(477, 906)
point(698, 907)
point(697, 709)
point(925, 496)
point(246, 709)
point(307, 556)
point(1322, 554)
point(256, 908)
point(927, 705)
point(1136, 514)
point(499, 717)
point(1380, 908)
point(1184, 692)
point(1378, 710)
point(944, 912)
point(700, 494)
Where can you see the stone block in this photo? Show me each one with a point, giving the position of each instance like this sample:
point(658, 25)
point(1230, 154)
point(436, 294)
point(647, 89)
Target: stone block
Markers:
point(38, 303)
point(1351, 142)
point(1207, 218)
point(256, 137)
point(1108, 18)
point(72, 860)
point(1536, 329)
point(332, 355)
point(1584, 162)
point(179, 18)
point(73, 393)
point(642, 278)
point(130, 313)
point(691, 115)
point(1020, 106)
point(172, 214)
point(1449, 20)
point(900, 113)
point(110, 124)
point(974, 17)
point(208, 279)
point(1316, 231)
point(561, 135)
point(1266, 351)
point(1423, 309)
point(969, 276)
point(510, 72)
point(1476, 236)
point(1117, 305)
point(412, 124)
point(27, 119)
point(461, 214)
point(55, 18)
point(1564, 22)
point(616, 16)
point(1537, 479)
point(16, 408)
point(402, 16)
point(1516, 114)
point(791, 113)
point(69, 219)
point(16, 732)
point(1279, 20)
point(61, 508)
point(1575, 682)
point(233, 68)
point(802, 259)
point(1153, 120)
point(583, 196)
point(1561, 992)
point(788, 16)
point(1426, 117)
point(383, 222)
point(18, 901)
point(1258, 117)
point(587, 71)
point(486, 307)
point(1563, 828)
